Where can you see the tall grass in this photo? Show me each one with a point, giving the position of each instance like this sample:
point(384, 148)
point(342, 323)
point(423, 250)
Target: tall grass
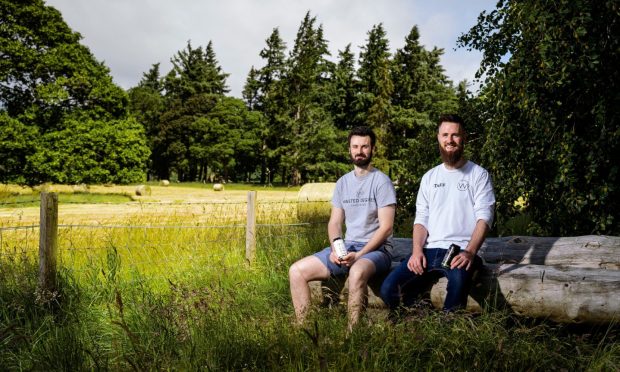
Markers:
point(176, 295)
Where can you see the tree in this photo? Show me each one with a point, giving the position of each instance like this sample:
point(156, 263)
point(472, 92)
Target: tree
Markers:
point(550, 107)
point(272, 102)
point(48, 80)
point(90, 151)
point(146, 103)
point(376, 87)
point(309, 127)
point(17, 143)
point(193, 87)
point(344, 90)
point(421, 93)
point(45, 72)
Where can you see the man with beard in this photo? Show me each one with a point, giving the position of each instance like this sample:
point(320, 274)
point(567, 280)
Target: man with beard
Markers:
point(365, 201)
point(454, 205)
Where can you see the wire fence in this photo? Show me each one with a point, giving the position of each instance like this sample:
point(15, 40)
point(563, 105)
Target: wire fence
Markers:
point(170, 241)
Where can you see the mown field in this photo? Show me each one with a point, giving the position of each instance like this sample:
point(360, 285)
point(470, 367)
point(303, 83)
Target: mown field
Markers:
point(161, 282)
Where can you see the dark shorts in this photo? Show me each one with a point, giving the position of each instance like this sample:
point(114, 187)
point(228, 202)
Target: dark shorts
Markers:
point(381, 257)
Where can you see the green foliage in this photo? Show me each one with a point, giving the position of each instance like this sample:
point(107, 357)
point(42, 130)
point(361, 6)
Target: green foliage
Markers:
point(549, 107)
point(91, 151)
point(421, 93)
point(226, 316)
point(17, 143)
point(49, 82)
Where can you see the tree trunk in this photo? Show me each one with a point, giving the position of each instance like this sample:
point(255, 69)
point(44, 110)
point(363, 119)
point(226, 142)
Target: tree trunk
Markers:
point(567, 279)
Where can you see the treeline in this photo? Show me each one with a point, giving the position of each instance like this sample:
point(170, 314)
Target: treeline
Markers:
point(545, 122)
point(291, 125)
point(62, 118)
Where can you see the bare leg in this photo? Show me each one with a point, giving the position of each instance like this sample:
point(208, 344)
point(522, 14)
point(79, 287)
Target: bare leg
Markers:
point(359, 274)
point(300, 273)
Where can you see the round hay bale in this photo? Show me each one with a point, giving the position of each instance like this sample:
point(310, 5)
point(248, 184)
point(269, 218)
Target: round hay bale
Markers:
point(165, 182)
point(218, 187)
point(314, 201)
point(143, 190)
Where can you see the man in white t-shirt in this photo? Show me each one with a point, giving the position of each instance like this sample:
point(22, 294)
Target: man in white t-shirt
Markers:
point(455, 205)
point(365, 201)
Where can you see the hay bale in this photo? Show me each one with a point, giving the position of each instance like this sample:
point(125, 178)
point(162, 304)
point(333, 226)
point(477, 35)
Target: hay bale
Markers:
point(314, 201)
point(165, 183)
point(218, 187)
point(80, 189)
point(143, 190)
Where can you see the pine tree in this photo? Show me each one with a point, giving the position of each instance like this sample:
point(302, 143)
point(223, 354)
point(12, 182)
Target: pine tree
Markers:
point(343, 90)
point(310, 128)
point(376, 87)
point(267, 87)
point(193, 88)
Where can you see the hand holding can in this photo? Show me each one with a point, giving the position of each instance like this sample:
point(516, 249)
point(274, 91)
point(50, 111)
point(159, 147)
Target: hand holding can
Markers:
point(339, 248)
point(453, 250)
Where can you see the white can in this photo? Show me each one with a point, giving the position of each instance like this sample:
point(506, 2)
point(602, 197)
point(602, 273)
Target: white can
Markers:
point(339, 248)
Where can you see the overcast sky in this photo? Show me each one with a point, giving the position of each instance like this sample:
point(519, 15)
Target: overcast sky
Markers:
point(129, 36)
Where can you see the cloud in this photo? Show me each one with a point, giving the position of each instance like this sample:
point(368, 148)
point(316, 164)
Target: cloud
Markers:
point(130, 36)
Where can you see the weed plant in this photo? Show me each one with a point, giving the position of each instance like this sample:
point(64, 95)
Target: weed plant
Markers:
point(174, 294)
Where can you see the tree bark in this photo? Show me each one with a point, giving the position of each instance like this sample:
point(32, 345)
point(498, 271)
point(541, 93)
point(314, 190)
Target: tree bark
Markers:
point(567, 279)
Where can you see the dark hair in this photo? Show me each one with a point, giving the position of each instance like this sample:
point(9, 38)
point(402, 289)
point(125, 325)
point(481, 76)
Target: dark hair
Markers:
point(363, 132)
point(452, 118)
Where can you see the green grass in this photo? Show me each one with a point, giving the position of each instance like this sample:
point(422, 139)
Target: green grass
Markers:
point(239, 318)
point(180, 298)
point(13, 200)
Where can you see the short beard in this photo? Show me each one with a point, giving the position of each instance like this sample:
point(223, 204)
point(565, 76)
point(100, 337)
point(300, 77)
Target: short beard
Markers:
point(451, 158)
point(362, 162)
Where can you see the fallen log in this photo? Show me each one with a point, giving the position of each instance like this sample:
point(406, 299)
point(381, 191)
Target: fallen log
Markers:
point(565, 295)
point(568, 280)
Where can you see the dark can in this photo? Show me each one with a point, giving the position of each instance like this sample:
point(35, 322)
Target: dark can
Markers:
point(453, 250)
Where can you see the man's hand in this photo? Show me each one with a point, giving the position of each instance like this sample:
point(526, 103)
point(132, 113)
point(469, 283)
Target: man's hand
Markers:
point(462, 260)
point(349, 259)
point(417, 262)
point(334, 258)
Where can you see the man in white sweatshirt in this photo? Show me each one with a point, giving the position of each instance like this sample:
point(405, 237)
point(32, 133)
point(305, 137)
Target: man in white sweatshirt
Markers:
point(455, 205)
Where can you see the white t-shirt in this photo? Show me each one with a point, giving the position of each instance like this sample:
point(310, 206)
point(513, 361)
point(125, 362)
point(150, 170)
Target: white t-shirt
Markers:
point(451, 201)
point(361, 198)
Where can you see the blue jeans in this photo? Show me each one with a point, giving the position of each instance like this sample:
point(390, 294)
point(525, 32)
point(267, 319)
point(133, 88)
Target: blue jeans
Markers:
point(403, 284)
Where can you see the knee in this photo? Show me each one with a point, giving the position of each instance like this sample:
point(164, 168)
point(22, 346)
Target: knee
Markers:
point(295, 273)
point(357, 277)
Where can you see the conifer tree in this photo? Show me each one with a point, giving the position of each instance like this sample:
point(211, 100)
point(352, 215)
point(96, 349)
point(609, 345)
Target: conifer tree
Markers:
point(374, 104)
point(267, 87)
point(310, 127)
point(343, 90)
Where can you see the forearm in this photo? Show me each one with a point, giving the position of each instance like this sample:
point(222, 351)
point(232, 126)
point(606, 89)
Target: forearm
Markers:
point(419, 237)
point(334, 230)
point(477, 237)
point(377, 239)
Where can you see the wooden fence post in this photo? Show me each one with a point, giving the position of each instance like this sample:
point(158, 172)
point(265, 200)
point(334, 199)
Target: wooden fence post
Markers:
point(48, 239)
point(250, 230)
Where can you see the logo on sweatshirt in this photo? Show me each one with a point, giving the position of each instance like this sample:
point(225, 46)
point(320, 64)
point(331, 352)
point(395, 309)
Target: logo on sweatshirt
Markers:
point(462, 185)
